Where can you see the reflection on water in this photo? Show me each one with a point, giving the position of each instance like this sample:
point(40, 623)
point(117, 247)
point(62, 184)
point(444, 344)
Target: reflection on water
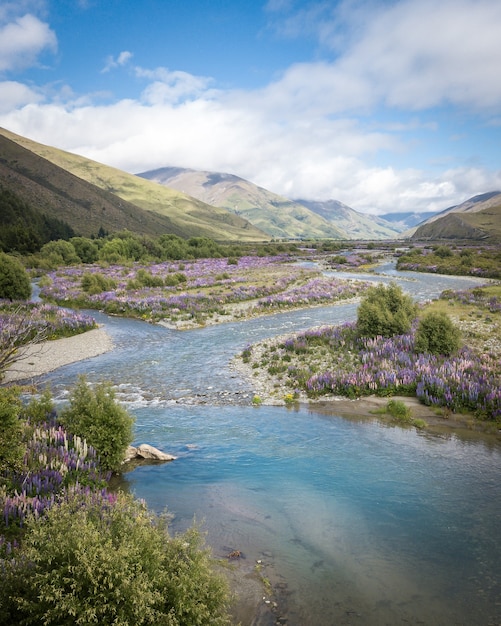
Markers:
point(355, 522)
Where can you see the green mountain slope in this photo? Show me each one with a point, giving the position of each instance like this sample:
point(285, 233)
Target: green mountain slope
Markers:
point(271, 213)
point(477, 218)
point(173, 211)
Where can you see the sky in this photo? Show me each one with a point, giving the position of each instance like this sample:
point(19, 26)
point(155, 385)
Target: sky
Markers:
point(384, 105)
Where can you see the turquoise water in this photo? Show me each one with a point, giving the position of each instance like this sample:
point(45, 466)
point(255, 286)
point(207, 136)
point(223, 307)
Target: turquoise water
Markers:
point(355, 522)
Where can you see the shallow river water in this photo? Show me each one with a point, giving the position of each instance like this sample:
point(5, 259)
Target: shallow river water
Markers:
point(354, 521)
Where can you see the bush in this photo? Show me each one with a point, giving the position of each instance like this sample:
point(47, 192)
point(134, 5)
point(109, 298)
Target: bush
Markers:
point(437, 334)
point(11, 447)
point(95, 416)
point(385, 311)
point(97, 283)
point(14, 280)
point(100, 559)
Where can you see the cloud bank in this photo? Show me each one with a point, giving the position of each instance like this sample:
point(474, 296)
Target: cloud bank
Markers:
point(363, 124)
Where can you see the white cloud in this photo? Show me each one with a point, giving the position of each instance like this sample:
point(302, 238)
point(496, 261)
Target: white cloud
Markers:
point(315, 132)
point(112, 63)
point(22, 40)
point(14, 94)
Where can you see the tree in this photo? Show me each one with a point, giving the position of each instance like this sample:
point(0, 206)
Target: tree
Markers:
point(385, 311)
point(14, 280)
point(100, 559)
point(96, 416)
point(59, 252)
point(437, 334)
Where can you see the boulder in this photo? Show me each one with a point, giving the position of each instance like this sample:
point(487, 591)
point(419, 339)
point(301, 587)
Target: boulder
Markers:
point(146, 452)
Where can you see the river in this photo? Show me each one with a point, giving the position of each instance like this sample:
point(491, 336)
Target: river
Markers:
point(353, 521)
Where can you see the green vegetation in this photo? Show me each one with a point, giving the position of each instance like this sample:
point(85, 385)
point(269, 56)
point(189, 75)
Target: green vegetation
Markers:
point(75, 554)
point(96, 561)
point(23, 229)
point(401, 413)
point(14, 281)
point(482, 261)
point(103, 423)
point(385, 311)
point(11, 449)
point(437, 334)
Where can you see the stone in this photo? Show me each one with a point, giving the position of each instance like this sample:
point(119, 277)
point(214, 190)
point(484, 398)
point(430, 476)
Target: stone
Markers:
point(146, 452)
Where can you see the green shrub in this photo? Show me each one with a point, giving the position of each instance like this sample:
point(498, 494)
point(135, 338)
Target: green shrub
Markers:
point(95, 416)
point(14, 280)
point(11, 448)
point(95, 561)
point(97, 283)
point(437, 334)
point(385, 311)
point(38, 410)
point(399, 410)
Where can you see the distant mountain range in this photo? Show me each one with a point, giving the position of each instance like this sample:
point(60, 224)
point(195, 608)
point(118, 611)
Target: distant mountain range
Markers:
point(278, 216)
point(479, 218)
point(91, 197)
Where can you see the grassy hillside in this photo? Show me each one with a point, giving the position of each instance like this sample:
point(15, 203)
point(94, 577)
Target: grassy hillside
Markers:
point(277, 216)
point(484, 225)
point(174, 211)
point(52, 191)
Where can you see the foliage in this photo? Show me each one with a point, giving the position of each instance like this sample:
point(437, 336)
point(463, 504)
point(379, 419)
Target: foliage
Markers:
point(336, 360)
point(99, 559)
point(385, 311)
point(59, 252)
point(11, 447)
point(193, 291)
point(100, 420)
point(23, 229)
point(478, 261)
point(97, 283)
point(437, 334)
point(14, 280)
point(398, 409)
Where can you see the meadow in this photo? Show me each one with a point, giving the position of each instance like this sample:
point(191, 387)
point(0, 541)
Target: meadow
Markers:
point(196, 292)
point(336, 361)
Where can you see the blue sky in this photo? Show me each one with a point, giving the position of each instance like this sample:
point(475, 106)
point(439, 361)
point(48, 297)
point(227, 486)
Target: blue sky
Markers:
point(385, 105)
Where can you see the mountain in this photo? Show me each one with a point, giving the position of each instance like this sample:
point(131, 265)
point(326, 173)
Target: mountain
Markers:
point(406, 220)
point(52, 191)
point(277, 216)
point(357, 225)
point(478, 218)
point(87, 195)
point(272, 213)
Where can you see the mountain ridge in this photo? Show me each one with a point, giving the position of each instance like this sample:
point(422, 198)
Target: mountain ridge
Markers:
point(278, 216)
point(172, 211)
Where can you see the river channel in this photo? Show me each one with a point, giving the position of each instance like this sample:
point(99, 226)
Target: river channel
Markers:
point(353, 521)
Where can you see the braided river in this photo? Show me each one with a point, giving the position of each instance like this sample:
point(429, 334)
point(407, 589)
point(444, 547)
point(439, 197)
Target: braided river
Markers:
point(352, 521)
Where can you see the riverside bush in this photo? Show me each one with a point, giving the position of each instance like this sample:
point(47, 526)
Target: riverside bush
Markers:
point(14, 280)
point(98, 418)
point(105, 559)
point(437, 334)
point(385, 311)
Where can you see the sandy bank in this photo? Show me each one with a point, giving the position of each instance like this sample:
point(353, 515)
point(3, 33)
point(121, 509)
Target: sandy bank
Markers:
point(36, 360)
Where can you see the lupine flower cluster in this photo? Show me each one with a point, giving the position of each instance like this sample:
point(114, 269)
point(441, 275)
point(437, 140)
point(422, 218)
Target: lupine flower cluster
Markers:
point(198, 289)
point(54, 463)
point(315, 291)
point(31, 320)
point(358, 366)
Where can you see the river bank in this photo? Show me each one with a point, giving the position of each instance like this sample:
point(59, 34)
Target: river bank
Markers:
point(39, 359)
